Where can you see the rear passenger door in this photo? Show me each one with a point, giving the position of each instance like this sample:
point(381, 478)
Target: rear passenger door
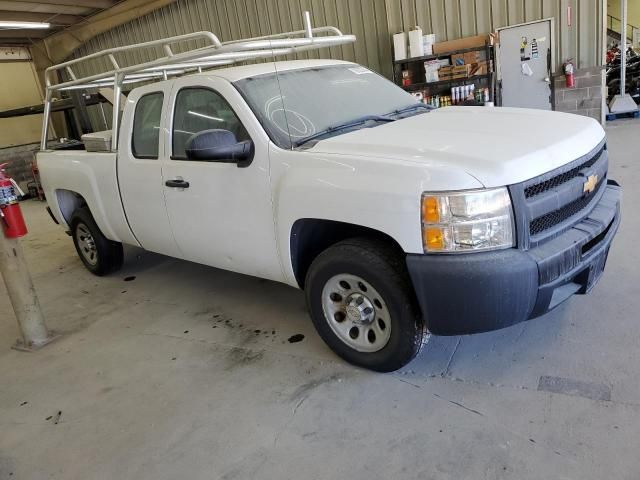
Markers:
point(140, 156)
point(220, 213)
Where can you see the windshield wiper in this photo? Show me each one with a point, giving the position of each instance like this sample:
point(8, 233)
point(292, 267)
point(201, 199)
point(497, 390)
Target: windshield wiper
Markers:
point(344, 126)
point(411, 108)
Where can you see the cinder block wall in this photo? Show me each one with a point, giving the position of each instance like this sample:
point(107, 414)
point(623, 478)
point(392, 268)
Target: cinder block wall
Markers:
point(19, 161)
point(585, 98)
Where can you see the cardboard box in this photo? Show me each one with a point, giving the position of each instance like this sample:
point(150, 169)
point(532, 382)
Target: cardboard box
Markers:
point(457, 59)
point(461, 71)
point(467, 58)
point(445, 73)
point(479, 68)
point(472, 57)
point(461, 44)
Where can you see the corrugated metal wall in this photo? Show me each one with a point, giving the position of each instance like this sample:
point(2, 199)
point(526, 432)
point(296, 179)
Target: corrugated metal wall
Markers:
point(236, 19)
point(450, 19)
point(372, 21)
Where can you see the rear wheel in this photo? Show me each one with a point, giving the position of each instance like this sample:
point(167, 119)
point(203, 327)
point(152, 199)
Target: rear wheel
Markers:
point(362, 304)
point(99, 254)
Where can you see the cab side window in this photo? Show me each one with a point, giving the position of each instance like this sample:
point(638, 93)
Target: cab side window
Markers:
point(145, 138)
point(199, 109)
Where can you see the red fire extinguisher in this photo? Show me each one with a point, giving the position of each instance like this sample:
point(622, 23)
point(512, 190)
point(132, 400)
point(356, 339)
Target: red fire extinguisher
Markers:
point(569, 73)
point(10, 213)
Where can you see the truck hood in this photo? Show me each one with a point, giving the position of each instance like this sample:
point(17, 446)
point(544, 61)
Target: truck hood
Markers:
point(497, 146)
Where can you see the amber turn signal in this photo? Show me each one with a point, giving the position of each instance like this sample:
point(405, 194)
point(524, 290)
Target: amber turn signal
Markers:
point(430, 211)
point(433, 238)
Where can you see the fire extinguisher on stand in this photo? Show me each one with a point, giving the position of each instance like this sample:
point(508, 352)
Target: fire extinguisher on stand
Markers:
point(569, 73)
point(13, 224)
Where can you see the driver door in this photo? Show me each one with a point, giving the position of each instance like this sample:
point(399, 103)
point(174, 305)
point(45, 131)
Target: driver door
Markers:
point(220, 214)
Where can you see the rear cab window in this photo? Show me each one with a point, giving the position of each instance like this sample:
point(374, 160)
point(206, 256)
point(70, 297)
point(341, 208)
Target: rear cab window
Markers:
point(145, 138)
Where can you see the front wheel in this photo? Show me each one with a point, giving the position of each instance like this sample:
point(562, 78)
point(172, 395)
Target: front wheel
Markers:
point(99, 254)
point(362, 304)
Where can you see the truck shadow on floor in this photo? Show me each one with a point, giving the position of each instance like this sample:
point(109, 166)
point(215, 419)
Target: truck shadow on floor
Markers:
point(515, 356)
point(493, 358)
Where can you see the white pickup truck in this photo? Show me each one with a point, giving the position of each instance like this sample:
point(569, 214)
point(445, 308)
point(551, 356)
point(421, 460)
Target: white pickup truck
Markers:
point(396, 220)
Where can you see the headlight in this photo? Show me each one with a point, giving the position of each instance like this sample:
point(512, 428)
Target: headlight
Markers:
point(467, 221)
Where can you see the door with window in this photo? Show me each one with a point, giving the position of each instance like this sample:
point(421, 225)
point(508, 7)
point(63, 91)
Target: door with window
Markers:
point(220, 210)
point(140, 169)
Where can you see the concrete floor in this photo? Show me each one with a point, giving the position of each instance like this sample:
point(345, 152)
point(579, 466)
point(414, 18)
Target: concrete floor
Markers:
point(186, 372)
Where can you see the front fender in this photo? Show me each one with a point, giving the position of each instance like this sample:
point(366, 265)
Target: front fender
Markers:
point(383, 195)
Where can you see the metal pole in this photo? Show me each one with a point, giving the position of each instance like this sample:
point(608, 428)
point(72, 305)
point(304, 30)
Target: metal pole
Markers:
point(623, 59)
point(45, 123)
point(623, 103)
point(23, 296)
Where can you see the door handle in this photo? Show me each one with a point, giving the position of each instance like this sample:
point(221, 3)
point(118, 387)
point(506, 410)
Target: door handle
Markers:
point(177, 183)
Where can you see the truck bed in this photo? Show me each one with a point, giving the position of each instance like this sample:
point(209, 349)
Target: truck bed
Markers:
point(71, 176)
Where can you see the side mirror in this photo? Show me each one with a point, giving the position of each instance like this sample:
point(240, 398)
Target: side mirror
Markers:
point(219, 146)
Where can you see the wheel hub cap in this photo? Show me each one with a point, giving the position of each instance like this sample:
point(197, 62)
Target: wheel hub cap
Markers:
point(356, 313)
point(360, 309)
point(86, 244)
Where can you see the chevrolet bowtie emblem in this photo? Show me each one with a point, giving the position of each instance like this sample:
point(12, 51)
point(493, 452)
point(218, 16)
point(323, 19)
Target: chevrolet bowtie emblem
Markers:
point(590, 185)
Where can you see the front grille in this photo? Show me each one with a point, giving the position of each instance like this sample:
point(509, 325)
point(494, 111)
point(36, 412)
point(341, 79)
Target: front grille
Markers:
point(551, 219)
point(550, 204)
point(558, 180)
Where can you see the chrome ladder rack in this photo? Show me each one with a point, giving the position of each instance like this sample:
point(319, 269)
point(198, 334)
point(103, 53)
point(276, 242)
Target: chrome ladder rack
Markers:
point(215, 54)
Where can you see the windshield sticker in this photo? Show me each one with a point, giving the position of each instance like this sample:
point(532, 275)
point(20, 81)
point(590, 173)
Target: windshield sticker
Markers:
point(360, 70)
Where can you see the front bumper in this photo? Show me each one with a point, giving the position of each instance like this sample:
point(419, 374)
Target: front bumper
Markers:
point(477, 292)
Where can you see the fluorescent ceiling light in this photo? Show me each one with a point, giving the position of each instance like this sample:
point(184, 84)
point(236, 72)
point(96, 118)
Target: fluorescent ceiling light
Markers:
point(11, 24)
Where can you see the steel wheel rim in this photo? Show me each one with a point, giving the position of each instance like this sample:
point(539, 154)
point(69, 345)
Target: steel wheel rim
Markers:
point(346, 301)
point(86, 244)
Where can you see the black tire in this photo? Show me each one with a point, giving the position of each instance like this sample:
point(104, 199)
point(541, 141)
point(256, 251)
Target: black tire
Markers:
point(106, 256)
point(384, 269)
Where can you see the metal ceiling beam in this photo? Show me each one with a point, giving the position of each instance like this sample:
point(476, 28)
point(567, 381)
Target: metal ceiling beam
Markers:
point(16, 42)
point(34, 7)
point(93, 4)
point(59, 13)
point(52, 18)
point(23, 33)
point(57, 47)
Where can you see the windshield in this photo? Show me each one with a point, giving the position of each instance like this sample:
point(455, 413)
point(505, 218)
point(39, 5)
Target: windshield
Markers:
point(315, 101)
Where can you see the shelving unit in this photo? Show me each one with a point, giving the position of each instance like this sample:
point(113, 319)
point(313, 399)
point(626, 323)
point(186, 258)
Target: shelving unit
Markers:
point(460, 81)
point(442, 87)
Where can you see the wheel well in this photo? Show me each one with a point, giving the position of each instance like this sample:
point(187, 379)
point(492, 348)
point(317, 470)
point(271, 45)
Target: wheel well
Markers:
point(69, 202)
point(311, 236)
